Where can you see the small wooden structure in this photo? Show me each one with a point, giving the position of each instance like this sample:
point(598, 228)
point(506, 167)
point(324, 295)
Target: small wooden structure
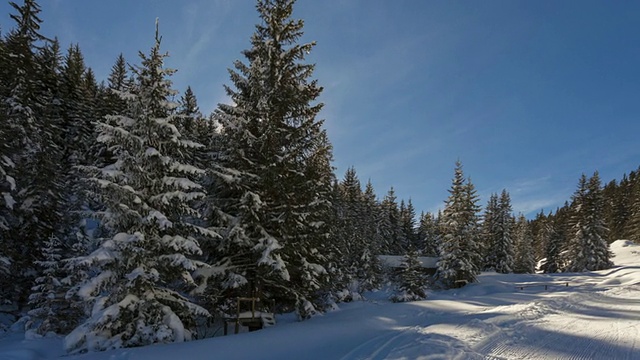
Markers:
point(394, 263)
point(545, 285)
point(460, 283)
point(252, 319)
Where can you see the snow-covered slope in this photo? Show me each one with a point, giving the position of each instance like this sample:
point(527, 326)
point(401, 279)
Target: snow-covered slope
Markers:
point(559, 316)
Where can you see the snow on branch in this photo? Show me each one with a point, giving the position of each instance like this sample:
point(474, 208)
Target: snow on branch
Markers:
point(167, 197)
point(182, 183)
point(179, 243)
point(159, 218)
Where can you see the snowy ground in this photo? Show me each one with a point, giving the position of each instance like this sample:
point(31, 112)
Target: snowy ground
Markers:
point(502, 317)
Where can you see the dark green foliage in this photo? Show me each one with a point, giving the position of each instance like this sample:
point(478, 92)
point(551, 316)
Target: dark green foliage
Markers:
point(555, 241)
point(29, 155)
point(620, 209)
point(279, 191)
point(632, 226)
point(355, 237)
point(498, 232)
point(50, 310)
point(411, 281)
point(588, 249)
point(408, 234)
point(460, 251)
point(524, 261)
point(390, 224)
point(144, 269)
point(428, 235)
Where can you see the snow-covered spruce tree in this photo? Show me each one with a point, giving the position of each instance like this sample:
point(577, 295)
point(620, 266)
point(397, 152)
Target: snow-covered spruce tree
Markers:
point(618, 206)
point(190, 111)
point(539, 240)
point(633, 225)
point(410, 282)
point(280, 193)
point(524, 262)
point(193, 125)
point(428, 234)
point(77, 113)
point(111, 102)
point(147, 193)
point(588, 247)
point(345, 237)
point(555, 243)
point(502, 247)
point(460, 255)
point(355, 235)
point(50, 310)
point(390, 224)
point(489, 232)
point(29, 154)
point(79, 103)
point(349, 239)
point(7, 181)
point(371, 271)
point(408, 234)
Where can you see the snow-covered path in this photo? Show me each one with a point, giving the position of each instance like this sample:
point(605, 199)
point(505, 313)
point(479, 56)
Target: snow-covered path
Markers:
point(595, 324)
point(501, 317)
point(587, 326)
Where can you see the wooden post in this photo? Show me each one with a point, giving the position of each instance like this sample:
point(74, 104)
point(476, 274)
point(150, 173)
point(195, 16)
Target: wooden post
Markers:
point(253, 308)
point(238, 317)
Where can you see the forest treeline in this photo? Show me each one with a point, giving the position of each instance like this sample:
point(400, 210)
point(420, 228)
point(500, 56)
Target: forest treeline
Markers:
point(127, 216)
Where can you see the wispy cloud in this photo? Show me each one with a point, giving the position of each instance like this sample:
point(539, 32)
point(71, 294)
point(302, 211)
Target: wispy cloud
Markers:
point(533, 195)
point(530, 206)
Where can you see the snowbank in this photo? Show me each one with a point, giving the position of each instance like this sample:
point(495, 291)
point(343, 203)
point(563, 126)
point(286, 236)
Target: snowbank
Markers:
point(500, 317)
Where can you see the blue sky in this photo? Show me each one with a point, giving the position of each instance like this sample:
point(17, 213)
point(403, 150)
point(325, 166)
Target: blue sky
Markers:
point(527, 94)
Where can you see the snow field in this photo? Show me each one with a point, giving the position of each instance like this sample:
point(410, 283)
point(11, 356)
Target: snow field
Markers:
point(595, 317)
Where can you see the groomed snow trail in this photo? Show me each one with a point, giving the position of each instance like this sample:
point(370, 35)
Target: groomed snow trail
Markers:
point(587, 326)
point(593, 315)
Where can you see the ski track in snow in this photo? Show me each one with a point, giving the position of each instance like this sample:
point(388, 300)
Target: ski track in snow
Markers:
point(502, 317)
point(586, 326)
point(595, 319)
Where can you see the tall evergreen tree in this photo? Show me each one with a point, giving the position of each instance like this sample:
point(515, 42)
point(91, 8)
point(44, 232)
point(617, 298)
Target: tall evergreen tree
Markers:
point(111, 102)
point(538, 226)
point(28, 151)
point(117, 84)
point(428, 233)
point(50, 310)
point(145, 267)
point(588, 248)
point(363, 248)
point(621, 207)
point(410, 282)
point(524, 262)
point(191, 114)
point(489, 231)
point(76, 142)
point(498, 233)
point(555, 243)
point(409, 236)
point(390, 224)
point(459, 249)
point(370, 274)
point(504, 247)
point(632, 227)
point(282, 180)
point(349, 239)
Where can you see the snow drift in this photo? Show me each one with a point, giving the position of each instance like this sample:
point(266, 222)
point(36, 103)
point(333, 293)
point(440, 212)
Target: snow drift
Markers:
point(532, 316)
